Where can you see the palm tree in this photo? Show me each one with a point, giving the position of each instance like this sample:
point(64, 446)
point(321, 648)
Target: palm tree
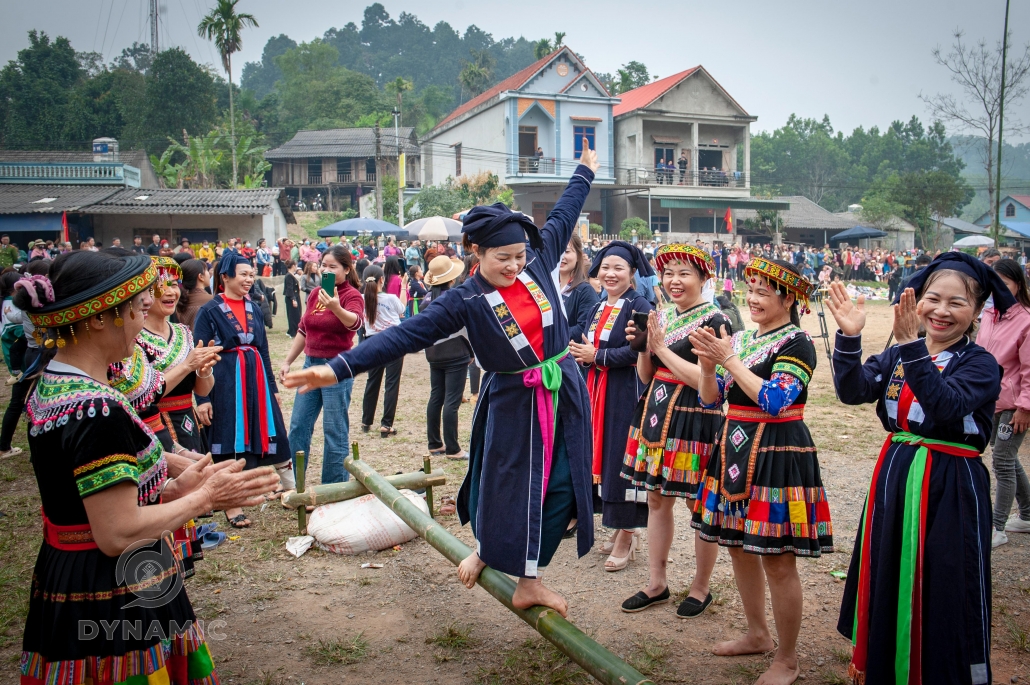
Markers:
point(559, 39)
point(542, 48)
point(223, 25)
point(399, 86)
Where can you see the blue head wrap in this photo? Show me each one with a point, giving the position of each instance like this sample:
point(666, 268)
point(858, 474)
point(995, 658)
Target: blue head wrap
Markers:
point(229, 261)
point(633, 255)
point(989, 280)
point(496, 225)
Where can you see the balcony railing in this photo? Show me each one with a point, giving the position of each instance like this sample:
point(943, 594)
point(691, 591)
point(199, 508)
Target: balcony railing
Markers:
point(344, 177)
point(709, 178)
point(370, 177)
point(72, 173)
point(314, 179)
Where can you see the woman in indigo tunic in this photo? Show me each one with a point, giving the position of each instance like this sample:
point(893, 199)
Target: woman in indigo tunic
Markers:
point(671, 435)
point(762, 495)
point(917, 601)
point(105, 484)
point(248, 421)
point(614, 387)
point(529, 470)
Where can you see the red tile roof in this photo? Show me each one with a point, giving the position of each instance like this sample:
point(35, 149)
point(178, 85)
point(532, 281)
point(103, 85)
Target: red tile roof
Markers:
point(641, 97)
point(513, 82)
point(1022, 199)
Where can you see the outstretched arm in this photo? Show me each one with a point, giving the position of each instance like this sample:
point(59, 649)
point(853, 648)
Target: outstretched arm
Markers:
point(557, 231)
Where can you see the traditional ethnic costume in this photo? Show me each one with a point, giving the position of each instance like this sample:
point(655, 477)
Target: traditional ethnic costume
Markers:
point(249, 423)
point(917, 601)
point(762, 489)
point(614, 385)
point(176, 405)
point(529, 471)
point(85, 437)
point(671, 435)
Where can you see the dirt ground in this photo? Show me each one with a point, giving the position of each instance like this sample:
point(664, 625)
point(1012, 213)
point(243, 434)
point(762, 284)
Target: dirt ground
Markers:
point(273, 619)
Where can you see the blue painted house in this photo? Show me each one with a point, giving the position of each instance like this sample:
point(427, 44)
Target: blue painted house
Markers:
point(529, 130)
point(1015, 215)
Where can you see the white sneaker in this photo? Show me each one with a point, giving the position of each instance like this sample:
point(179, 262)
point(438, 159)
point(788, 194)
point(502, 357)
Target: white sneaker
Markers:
point(1017, 525)
point(998, 539)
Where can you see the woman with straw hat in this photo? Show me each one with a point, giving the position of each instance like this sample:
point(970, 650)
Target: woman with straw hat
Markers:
point(448, 362)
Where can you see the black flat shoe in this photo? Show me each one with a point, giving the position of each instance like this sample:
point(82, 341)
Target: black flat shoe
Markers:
point(571, 532)
point(691, 608)
point(641, 601)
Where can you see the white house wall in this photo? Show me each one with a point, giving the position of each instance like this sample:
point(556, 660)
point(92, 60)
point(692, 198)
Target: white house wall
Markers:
point(566, 113)
point(482, 137)
point(107, 227)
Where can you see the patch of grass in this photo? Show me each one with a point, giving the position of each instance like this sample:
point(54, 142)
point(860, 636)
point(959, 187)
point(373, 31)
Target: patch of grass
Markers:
point(831, 677)
point(364, 581)
point(218, 570)
point(333, 651)
point(275, 677)
point(746, 672)
point(534, 662)
point(842, 655)
point(649, 656)
point(1020, 636)
point(455, 636)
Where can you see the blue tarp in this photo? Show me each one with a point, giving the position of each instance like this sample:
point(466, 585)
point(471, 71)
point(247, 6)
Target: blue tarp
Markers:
point(361, 226)
point(41, 224)
point(858, 233)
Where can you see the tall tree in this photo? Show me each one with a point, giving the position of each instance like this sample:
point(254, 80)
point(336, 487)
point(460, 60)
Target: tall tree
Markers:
point(399, 86)
point(976, 69)
point(180, 95)
point(224, 26)
point(260, 77)
point(34, 91)
point(542, 48)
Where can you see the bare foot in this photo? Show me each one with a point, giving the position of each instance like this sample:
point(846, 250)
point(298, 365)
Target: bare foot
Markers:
point(469, 570)
point(780, 673)
point(749, 644)
point(531, 592)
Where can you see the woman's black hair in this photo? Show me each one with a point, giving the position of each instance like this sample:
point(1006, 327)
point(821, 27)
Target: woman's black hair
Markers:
point(7, 281)
point(437, 289)
point(371, 277)
point(1010, 269)
point(579, 271)
point(392, 267)
point(117, 252)
point(191, 270)
point(360, 267)
point(40, 267)
point(342, 255)
point(412, 270)
point(182, 257)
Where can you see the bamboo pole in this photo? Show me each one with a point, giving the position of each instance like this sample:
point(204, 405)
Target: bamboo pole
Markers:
point(427, 467)
point(338, 492)
point(300, 463)
point(595, 659)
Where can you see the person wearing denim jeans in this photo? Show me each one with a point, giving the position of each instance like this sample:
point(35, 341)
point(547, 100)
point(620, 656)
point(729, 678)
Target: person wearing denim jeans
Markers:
point(326, 328)
point(1006, 337)
point(334, 400)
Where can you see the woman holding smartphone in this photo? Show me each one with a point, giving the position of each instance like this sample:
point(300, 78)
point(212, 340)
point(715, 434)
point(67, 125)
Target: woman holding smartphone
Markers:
point(334, 312)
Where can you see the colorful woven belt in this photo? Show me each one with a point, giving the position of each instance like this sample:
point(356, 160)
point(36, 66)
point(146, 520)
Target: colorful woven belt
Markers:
point(154, 423)
point(795, 412)
point(667, 376)
point(177, 403)
point(67, 538)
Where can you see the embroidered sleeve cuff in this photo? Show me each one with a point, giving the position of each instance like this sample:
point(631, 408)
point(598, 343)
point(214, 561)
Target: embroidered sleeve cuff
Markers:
point(913, 351)
point(340, 367)
point(718, 400)
point(847, 344)
point(101, 474)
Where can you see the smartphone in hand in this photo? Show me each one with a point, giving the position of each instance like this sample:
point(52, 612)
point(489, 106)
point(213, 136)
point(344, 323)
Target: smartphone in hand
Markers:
point(639, 342)
point(329, 283)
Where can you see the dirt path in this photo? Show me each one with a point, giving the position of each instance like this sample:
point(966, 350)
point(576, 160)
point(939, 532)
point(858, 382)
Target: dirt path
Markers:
point(322, 619)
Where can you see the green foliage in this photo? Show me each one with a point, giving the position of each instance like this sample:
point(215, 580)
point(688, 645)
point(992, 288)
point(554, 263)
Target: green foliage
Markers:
point(631, 75)
point(390, 199)
point(34, 93)
point(919, 197)
point(767, 221)
point(633, 223)
point(260, 77)
point(180, 96)
point(596, 229)
point(457, 195)
point(223, 25)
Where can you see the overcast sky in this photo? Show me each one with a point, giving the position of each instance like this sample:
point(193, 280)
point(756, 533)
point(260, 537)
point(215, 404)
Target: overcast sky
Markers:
point(861, 63)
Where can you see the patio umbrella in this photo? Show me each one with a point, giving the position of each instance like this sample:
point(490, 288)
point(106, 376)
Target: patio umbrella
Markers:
point(973, 241)
point(359, 226)
point(434, 228)
point(859, 233)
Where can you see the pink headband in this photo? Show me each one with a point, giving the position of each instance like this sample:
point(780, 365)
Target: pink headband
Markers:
point(29, 283)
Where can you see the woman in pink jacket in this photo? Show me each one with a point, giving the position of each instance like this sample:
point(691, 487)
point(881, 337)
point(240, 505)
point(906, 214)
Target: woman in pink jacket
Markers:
point(1006, 338)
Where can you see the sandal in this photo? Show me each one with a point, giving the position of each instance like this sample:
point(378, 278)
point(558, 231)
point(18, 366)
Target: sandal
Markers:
point(364, 428)
point(238, 521)
point(619, 563)
point(13, 452)
point(447, 506)
point(387, 431)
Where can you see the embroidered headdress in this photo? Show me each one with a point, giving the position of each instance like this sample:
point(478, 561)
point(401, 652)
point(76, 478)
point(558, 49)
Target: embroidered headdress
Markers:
point(137, 274)
point(684, 253)
point(784, 275)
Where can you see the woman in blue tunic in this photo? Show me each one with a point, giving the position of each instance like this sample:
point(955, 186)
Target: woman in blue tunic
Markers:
point(614, 388)
point(248, 421)
point(917, 601)
point(529, 467)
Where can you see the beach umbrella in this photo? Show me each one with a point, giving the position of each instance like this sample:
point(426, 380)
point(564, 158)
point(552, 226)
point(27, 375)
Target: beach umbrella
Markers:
point(434, 228)
point(859, 233)
point(359, 226)
point(973, 241)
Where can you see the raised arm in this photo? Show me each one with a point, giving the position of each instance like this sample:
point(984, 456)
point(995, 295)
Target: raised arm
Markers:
point(557, 231)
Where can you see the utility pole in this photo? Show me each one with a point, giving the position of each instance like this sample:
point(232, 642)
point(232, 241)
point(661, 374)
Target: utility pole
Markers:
point(1001, 120)
point(400, 169)
point(153, 27)
point(379, 175)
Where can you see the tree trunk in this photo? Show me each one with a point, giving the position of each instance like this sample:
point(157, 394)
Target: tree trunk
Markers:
point(232, 124)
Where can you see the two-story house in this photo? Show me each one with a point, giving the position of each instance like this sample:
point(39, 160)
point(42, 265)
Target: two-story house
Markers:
point(683, 153)
point(340, 163)
point(530, 130)
point(1015, 216)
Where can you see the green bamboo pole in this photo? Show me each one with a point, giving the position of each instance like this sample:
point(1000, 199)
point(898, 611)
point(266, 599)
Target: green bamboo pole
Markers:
point(570, 640)
point(300, 463)
point(427, 467)
point(338, 492)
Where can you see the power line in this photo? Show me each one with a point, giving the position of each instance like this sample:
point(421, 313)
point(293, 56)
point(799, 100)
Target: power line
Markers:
point(97, 31)
point(107, 25)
